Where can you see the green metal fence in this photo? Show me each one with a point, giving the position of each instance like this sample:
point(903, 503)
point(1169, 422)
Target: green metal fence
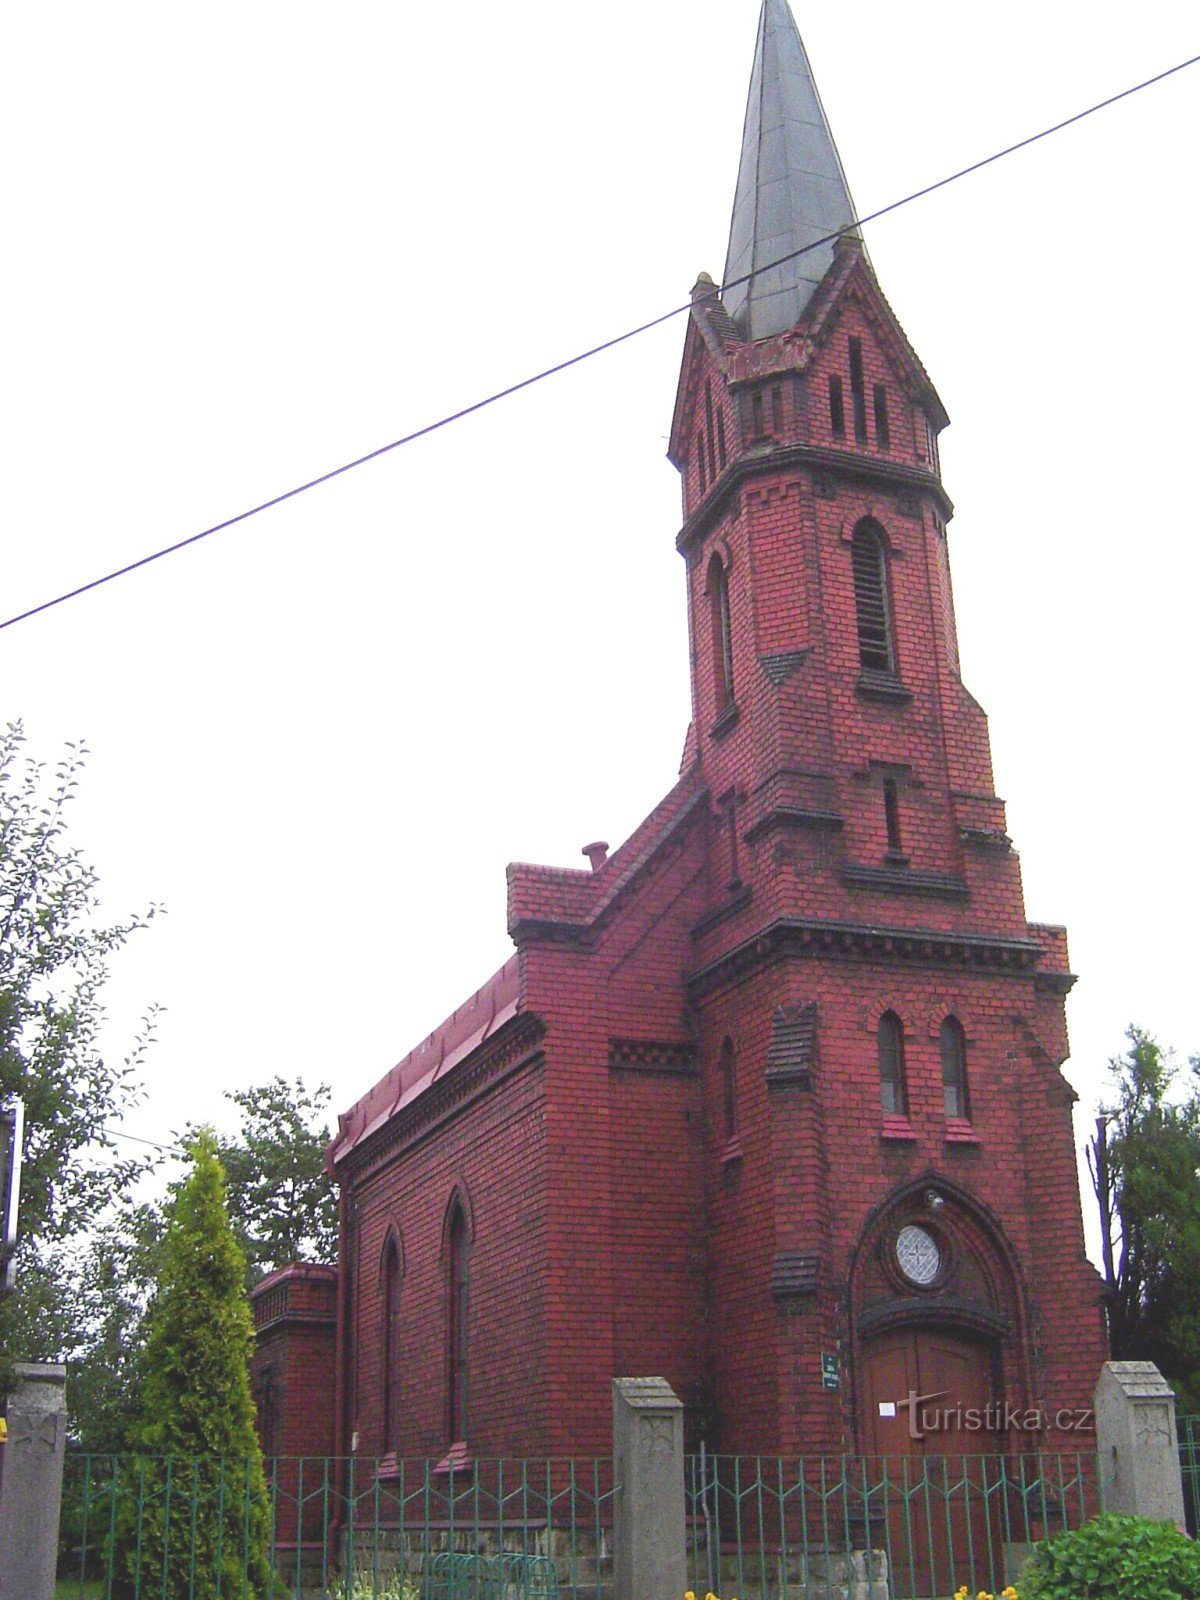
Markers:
point(1189, 1467)
point(763, 1528)
point(758, 1527)
point(138, 1528)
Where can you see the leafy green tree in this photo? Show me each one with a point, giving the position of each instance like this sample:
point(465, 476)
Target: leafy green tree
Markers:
point(112, 1275)
point(1145, 1166)
point(281, 1197)
point(195, 1415)
point(54, 954)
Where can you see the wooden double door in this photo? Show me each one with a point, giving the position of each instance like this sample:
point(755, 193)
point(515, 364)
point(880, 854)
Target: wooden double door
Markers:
point(925, 1394)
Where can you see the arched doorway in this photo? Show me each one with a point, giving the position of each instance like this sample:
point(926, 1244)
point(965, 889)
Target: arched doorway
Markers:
point(936, 1352)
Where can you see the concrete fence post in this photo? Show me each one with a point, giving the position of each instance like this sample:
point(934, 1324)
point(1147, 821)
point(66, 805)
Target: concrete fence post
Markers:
point(31, 1490)
point(649, 1550)
point(1137, 1442)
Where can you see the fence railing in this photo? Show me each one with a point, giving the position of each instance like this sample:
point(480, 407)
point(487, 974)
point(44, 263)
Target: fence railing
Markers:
point(761, 1528)
point(1189, 1468)
point(143, 1527)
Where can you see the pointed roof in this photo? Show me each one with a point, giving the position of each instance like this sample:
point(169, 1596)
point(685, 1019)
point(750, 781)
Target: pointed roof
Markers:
point(791, 189)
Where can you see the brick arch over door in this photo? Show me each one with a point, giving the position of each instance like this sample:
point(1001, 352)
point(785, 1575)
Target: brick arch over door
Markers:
point(974, 1291)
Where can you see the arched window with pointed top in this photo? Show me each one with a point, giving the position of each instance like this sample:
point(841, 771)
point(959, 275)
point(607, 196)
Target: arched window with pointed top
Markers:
point(893, 1090)
point(458, 1264)
point(391, 1344)
point(872, 602)
point(722, 636)
point(954, 1069)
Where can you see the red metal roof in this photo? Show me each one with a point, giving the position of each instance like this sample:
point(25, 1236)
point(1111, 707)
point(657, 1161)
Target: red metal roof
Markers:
point(488, 1009)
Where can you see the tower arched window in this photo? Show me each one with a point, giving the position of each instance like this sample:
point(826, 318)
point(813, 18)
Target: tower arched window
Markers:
point(722, 636)
point(954, 1069)
point(893, 1091)
point(458, 1243)
point(391, 1345)
point(872, 605)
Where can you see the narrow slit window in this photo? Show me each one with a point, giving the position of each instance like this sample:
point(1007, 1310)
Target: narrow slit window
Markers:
point(858, 392)
point(700, 462)
point(729, 1091)
point(756, 414)
point(457, 1330)
point(893, 1093)
point(954, 1069)
point(722, 635)
point(868, 561)
point(711, 431)
point(721, 455)
point(391, 1342)
point(883, 428)
point(891, 811)
point(837, 409)
point(777, 409)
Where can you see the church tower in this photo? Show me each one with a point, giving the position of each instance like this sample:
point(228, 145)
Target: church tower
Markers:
point(767, 1101)
point(880, 1027)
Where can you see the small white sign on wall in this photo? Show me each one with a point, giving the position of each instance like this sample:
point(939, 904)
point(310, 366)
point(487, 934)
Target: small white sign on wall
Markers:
point(887, 1408)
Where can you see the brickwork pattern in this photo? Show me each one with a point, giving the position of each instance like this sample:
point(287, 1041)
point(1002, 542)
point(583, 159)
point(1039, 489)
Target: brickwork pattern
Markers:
point(620, 1225)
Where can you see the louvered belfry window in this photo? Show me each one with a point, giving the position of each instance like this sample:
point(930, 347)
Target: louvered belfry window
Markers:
point(869, 563)
point(722, 633)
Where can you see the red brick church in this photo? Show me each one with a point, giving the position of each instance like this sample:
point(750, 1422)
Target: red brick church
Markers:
point(768, 1100)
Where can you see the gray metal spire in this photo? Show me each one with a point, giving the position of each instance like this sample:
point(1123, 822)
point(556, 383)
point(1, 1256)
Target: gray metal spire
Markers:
point(791, 188)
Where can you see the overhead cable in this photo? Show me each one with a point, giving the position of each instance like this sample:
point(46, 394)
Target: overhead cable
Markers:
point(584, 355)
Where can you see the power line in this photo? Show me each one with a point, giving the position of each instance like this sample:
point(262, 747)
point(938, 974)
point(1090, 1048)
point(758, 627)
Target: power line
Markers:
point(115, 1133)
point(585, 355)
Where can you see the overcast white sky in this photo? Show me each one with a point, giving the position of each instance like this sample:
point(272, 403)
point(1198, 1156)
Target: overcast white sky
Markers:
point(249, 241)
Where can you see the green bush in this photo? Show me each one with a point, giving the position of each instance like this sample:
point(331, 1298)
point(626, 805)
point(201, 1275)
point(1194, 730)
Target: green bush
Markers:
point(193, 1518)
point(1115, 1558)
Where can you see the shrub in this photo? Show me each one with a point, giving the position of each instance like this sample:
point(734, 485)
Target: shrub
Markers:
point(194, 1520)
point(1115, 1558)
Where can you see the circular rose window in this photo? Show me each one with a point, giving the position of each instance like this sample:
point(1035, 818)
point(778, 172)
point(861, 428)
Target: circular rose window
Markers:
point(918, 1255)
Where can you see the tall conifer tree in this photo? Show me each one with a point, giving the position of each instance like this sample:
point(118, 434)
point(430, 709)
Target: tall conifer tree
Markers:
point(200, 1491)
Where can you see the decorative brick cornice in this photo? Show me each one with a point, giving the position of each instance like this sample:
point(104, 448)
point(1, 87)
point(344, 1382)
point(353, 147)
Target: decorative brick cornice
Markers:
point(676, 1057)
point(786, 817)
point(296, 1319)
point(853, 941)
point(1054, 982)
point(515, 1045)
point(893, 476)
point(899, 880)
